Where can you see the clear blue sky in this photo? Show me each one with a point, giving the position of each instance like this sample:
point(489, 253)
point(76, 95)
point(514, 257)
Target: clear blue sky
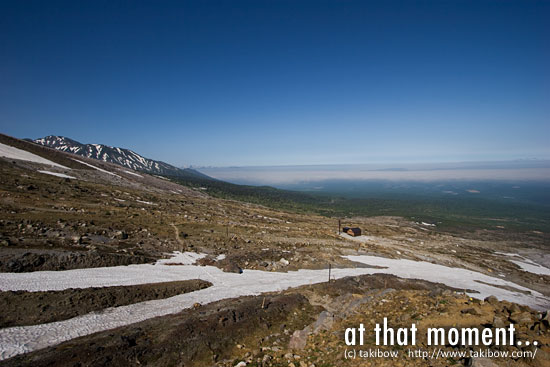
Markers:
point(281, 82)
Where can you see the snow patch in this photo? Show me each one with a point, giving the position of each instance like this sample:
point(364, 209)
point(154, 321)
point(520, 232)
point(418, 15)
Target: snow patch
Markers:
point(22, 339)
point(526, 264)
point(455, 277)
point(133, 173)
point(8, 151)
point(531, 266)
point(145, 202)
point(506, 253)
point(57, 174)
point(185, 258)
point(97, 168)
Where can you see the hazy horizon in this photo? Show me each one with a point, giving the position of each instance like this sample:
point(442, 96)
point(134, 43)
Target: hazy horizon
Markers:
point(519, 170)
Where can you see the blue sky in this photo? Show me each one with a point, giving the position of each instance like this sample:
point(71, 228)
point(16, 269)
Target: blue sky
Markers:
point(281, 82)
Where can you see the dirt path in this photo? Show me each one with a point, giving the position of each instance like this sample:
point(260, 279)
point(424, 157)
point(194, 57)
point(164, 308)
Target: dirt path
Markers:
point(177, 232)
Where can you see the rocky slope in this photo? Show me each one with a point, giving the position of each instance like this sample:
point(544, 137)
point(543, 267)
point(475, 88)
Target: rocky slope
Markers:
point(304, 327)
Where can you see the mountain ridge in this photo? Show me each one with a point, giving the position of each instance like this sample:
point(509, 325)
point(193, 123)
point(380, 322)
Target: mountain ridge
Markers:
point(120, 156)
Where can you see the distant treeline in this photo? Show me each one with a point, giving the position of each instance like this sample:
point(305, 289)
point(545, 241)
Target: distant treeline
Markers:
point(450, 213)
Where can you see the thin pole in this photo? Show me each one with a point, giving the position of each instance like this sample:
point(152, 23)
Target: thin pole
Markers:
point(339, 226)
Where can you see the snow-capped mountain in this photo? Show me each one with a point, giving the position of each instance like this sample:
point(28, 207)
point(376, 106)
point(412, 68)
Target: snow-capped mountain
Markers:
point(124, 157)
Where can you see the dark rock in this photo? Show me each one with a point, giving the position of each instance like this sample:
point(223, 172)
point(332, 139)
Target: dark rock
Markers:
point(513, 309)
point(499, 321)
point(231, 267)
point(522, 318)
point(14, 266)
point(121, 235)
point(298, 340)
point(323, 322)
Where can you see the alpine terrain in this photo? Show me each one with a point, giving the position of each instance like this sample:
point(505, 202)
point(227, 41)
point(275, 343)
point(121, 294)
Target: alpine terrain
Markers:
point(104, 265)
point(124, 157)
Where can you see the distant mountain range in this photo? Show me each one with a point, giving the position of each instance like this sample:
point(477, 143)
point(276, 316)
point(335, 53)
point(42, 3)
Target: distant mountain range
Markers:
point(123, 157)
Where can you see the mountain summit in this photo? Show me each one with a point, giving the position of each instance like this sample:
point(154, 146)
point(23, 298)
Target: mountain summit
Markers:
point(124, 157)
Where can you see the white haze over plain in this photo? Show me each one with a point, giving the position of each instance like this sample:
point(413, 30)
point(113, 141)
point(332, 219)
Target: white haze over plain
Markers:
point(525, 170)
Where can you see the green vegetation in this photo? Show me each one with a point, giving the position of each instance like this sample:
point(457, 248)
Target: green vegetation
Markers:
point(450, 213)
point(263, 195)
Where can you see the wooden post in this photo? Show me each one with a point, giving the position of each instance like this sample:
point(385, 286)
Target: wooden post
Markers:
point(339, 225)
point(329, 269)
point(227, 232)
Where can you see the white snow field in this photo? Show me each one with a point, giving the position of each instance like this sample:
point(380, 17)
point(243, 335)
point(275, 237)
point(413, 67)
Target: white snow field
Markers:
point(16, 340)
point(57, 174)
point(531, 267)
point(526, 264)
point(8, 151)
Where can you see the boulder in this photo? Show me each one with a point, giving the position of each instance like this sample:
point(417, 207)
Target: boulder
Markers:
point(231, 267)
point(121, 235)
point(298, 340)
point(499, 321)
point(522, 318)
